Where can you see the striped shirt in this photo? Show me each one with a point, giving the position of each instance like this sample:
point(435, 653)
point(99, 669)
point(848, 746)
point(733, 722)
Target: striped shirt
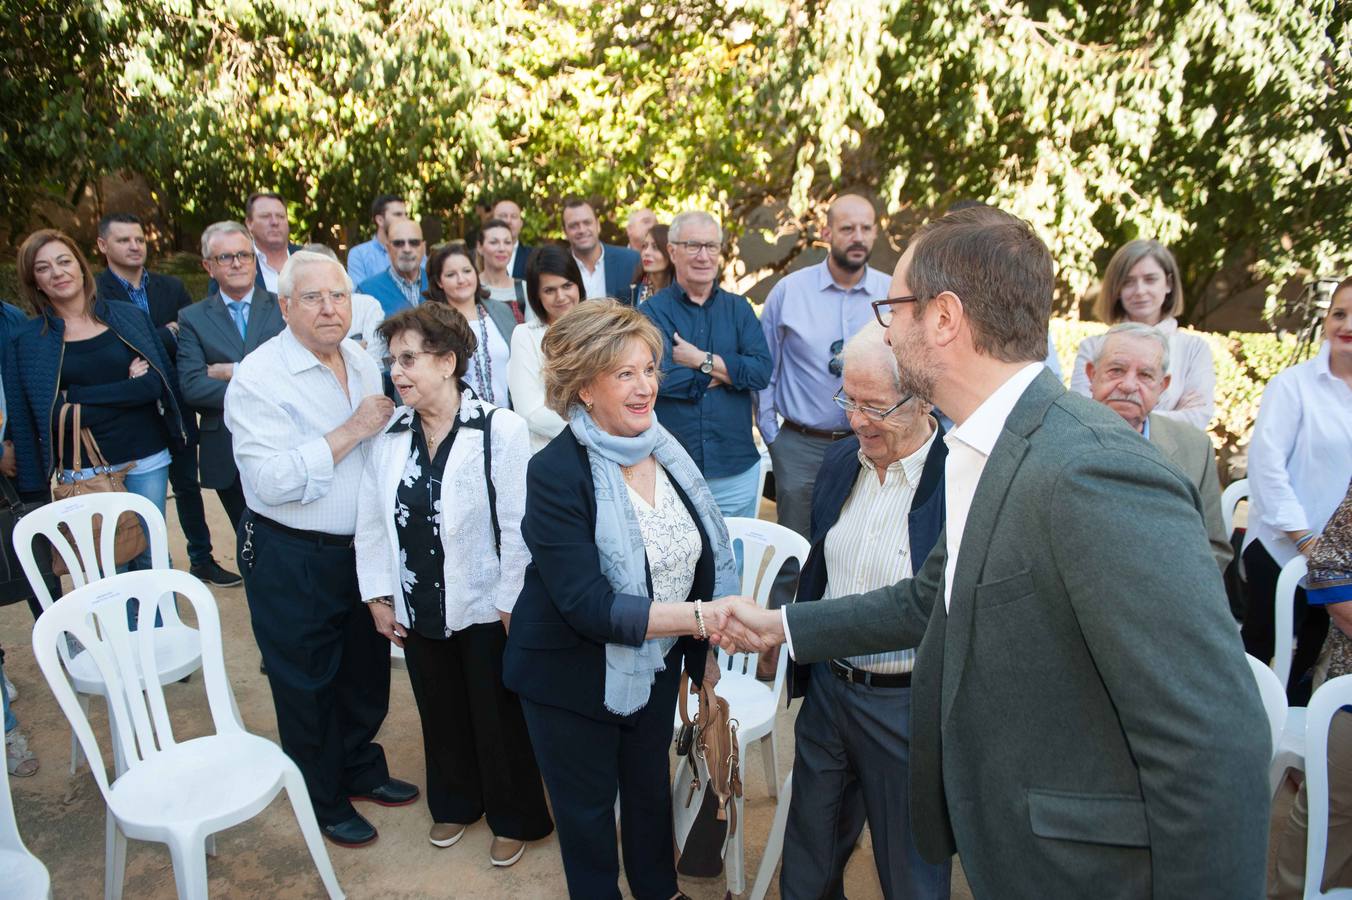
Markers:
point(280, 403)
point(869, 547)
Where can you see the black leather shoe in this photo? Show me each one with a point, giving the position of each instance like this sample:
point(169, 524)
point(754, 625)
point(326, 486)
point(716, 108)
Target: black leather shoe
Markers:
point(354, 832)
point(212, 573)
point(392, 793)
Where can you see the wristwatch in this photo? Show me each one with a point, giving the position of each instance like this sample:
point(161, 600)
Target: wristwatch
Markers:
point(708, 365)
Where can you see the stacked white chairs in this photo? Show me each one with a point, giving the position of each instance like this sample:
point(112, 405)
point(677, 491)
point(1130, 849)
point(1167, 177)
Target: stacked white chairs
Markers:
point(754, 704)
point(1331, 697)
point(69, 526)
point(22, 875)
point(176, 793)
point(1290, 753)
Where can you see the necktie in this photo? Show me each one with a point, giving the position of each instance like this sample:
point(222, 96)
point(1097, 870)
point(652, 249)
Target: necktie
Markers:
point(239, 312)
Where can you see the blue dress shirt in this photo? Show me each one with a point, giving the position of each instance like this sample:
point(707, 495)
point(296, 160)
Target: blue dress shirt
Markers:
point(137, 292)
point(367, 260)
point(714, 425)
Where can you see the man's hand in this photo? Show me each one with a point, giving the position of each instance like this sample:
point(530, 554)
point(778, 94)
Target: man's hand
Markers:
point(221, 371)
point(138, 368)
point(173, 328)
point(685, 353)
point(383, 616)
point(740, 625)
point(9, 466)
point(372, 414)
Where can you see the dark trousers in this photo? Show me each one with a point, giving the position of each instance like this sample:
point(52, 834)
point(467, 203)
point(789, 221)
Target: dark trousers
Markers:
point(328, 666)
point(232, 498)
point(478, 753)
point(192, 515)
point(851, 762)
point(1259, 633)
point(584, 762)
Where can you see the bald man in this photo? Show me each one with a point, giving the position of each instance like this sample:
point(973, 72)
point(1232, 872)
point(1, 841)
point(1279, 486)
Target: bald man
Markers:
point(640, 223)
point(807, 319)
point(402, 284)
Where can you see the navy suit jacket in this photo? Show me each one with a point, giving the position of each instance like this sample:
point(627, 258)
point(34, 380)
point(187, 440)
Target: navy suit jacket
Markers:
point(620, 263)
point(567, 611)
point(207, 334)
point(835, 480)
point(165, 295)
point(523, 252)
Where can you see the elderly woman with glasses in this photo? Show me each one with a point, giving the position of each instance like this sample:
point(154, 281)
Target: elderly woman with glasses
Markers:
point(440, 560)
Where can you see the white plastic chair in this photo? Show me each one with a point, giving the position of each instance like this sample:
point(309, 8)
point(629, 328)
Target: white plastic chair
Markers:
point(774, 844)
point(178, 648)
point(1291, 748)
point(1273, 695)
point(752, 703)
point(22, 875)
point(1331, 697)
point(1231, 497)
point(174, 793)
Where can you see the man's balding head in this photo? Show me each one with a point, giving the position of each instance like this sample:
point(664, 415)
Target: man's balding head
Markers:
point(640, 223)
point(851, 228)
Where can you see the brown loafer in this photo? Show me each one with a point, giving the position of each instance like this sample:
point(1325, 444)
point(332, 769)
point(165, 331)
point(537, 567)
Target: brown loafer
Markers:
point(506, 851)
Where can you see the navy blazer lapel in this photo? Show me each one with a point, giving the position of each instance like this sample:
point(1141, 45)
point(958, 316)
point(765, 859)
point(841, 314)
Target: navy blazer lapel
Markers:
point(219, 314)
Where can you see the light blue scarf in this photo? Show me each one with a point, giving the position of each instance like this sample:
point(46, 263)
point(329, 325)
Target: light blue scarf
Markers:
point(630, 671)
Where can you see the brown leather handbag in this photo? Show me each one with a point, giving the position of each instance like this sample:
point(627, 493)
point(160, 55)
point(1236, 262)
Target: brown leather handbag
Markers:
point(711, 739)
point(130, 540)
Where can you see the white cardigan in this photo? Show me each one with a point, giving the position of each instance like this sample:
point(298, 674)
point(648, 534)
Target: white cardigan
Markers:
point(528, 387)
point(1190, 363)
point(479, 585)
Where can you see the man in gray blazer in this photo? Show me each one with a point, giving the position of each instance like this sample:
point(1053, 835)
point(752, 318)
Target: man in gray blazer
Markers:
point(213, 335)
point(1131, 372)
point(1083, 720)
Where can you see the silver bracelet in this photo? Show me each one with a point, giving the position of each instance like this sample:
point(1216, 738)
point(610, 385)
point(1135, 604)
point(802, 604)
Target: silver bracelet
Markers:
point(699, 620)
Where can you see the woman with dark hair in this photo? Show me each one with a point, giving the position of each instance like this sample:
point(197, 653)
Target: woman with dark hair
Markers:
point(496, 245)
point(104, 356)
point(452, 279)
point(654, 270)
point(1142, 284)
point(553, 286)
point(440, 561)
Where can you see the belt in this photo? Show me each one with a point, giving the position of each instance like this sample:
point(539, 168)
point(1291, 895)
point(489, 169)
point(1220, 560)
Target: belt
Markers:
point(815, 432)
point(846, 672)
point(322, 538)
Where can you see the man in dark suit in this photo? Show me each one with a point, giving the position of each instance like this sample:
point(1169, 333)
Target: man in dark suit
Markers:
point(269, 226)
point(1083, 721)
point(607, 270)
point(214, 335)
point(509, 212)
point(122, 241)
point(877, 510)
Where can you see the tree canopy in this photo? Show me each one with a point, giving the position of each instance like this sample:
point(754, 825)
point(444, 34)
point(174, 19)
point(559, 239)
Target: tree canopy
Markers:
point(1219, 127)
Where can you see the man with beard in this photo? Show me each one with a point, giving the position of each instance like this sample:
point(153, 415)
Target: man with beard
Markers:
point(807, 319)
point(1131, 372)
point(402, 284)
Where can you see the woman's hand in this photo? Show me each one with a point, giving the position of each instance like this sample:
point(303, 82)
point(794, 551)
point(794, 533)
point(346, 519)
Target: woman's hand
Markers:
point(386, 624)
point(506, 621)
point(138, 368)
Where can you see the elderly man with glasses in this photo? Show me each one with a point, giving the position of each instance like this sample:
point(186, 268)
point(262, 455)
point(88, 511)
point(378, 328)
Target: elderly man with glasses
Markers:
point(877, 510)
point(404, 282)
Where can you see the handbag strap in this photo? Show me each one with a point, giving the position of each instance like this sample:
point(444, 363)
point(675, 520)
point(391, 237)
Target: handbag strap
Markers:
point(96, 457)
point(61, 434)
point(683, 697)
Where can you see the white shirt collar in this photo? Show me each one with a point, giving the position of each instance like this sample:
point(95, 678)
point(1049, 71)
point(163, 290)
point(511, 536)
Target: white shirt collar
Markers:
point(600, 261)
point(299, 358)
point(246, 299)
point(910, 466)
point(982, 428)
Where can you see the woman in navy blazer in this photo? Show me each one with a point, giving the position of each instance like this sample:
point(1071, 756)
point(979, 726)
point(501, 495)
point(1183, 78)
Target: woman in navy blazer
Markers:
point(568, 612)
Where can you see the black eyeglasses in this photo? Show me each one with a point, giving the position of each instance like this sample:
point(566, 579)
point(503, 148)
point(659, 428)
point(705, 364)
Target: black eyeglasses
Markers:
point(883, 308)
point(877, 415)
point(225, 259)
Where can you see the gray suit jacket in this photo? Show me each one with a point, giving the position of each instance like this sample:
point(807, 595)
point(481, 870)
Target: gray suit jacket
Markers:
point(1083, 721)
point(1190, 449)
point(206, 335)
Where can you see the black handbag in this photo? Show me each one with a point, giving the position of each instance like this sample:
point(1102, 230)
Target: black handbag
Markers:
point(14, 586)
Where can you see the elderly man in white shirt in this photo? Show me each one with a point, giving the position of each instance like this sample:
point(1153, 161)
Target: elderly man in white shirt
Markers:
point(301, 408)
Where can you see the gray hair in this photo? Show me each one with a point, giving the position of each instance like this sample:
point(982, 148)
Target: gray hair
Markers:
point(304, 259)
point(218, 229)
point(322, 250)
point(868, 349)
point(691, 217)
point(1137, 330)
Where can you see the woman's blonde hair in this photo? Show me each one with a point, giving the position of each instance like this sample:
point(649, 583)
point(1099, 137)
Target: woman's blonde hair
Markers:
point(589, 341)
point(1109, 307)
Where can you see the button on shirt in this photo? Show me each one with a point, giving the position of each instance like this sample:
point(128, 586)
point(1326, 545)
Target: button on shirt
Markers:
point(807, 319)
point(593, 281)
point(279, 405)
point(713, 424)
point(869, 547)
point(137, 292)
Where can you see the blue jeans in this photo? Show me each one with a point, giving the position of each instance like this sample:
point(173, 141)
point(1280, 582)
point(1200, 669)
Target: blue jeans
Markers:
point(736, 494)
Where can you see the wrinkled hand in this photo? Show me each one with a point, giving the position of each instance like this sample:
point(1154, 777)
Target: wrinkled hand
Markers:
point(386, 624)
point(221, 371)
point(739, 625)
point(372, 414)
point(685, 353)
point(138, 368)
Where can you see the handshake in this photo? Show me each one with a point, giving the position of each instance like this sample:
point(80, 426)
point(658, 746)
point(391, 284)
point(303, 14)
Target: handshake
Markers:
point(738, 625)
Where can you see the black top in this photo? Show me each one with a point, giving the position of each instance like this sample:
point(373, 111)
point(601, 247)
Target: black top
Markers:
point(417, 525)
point(120, 411)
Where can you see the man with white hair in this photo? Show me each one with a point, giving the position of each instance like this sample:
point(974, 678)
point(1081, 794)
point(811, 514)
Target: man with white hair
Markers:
point(1129, 375)
point(302, 407)
point(714, 358)
point(877, 510)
